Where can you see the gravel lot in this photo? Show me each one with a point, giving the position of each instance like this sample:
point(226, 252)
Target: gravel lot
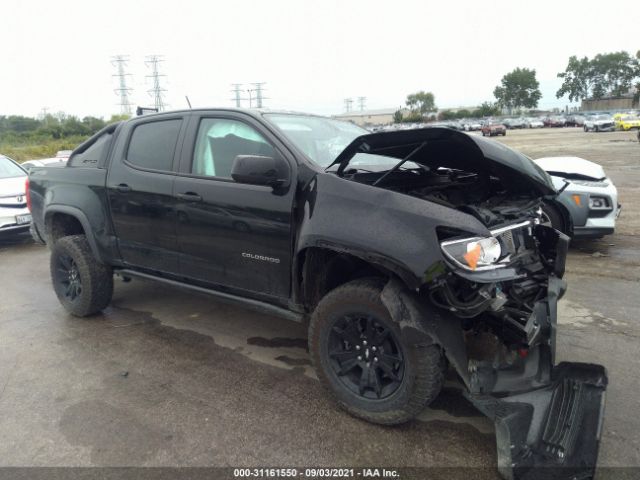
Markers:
point(169, 378)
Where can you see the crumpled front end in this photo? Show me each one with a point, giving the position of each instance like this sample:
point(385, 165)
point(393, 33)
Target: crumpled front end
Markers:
point(548, 417)
point(497, 322)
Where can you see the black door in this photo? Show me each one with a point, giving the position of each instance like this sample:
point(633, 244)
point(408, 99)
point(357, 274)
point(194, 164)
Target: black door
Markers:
point(229, 234)
point(140, 188)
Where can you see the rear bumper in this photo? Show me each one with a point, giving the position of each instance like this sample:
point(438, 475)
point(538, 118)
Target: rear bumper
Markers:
point(551, 432)
point(9, 220)
point(592, 232)
point(14, 228)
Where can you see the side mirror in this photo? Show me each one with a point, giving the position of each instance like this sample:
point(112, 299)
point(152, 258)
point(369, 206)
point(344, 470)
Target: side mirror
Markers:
point(260, 170)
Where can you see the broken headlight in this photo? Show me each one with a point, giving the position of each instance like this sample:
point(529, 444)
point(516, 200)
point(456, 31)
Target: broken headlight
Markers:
point(474, 253)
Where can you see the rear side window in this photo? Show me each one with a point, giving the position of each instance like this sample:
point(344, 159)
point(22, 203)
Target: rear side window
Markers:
point(92, 155)
point(153, 145)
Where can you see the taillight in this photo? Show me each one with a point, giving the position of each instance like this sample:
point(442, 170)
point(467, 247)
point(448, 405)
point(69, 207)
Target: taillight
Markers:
point(27, 193)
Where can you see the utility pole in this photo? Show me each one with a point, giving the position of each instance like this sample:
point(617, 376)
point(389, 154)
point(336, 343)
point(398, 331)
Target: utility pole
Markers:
point(237, 88)
point(361, 102)
point(43, 113)
point(156, 91)
point(250, 92)
point(123, 91)
point(347, 104)
point(259, 96)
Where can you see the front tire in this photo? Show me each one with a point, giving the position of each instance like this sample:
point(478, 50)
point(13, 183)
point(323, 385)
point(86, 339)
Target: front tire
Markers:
point(360, 356)
point(552, 217)
point(83, 285)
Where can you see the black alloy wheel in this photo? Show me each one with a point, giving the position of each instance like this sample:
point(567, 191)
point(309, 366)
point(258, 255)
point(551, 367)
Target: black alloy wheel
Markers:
point(67, 274)
point(366, 356)
point(362, 357)
point(83, 285)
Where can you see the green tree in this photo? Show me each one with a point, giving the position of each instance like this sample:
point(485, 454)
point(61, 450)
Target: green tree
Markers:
point(397, 116)
point(517, 89)
point(447, 115)
point(421, 102)
point(615, 72)
point(578, 79)
point(25, 138)
point(606, 73)
point(118, 118)
point(486, 109)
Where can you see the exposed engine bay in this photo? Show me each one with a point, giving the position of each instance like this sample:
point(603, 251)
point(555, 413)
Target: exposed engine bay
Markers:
point(520, 253)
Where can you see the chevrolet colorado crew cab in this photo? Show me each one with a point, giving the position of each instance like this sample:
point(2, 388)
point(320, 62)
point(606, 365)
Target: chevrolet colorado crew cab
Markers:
point(407, 252)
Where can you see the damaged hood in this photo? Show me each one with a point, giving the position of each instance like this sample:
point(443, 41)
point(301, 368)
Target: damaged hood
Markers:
point(571, 167)
point(447, 148)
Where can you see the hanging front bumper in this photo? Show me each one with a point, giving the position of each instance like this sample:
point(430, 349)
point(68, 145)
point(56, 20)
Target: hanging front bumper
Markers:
point(551, 432)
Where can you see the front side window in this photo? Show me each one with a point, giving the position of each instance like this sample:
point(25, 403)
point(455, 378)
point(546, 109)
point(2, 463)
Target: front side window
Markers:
point(220, 141)
point(153, 144)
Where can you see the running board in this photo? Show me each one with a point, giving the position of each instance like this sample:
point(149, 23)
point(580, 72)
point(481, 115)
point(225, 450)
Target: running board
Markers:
point(552, 432)
point(250, 303)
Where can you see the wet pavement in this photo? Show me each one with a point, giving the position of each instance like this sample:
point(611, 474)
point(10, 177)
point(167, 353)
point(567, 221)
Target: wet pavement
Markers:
point(167, 377)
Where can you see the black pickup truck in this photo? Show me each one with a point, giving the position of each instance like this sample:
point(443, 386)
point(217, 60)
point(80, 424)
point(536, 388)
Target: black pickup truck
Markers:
point(408, 252)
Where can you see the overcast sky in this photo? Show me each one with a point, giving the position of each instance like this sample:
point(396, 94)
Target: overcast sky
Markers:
point(312, 54)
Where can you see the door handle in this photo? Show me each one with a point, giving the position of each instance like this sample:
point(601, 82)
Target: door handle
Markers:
point(123, 187)
point(189, 197)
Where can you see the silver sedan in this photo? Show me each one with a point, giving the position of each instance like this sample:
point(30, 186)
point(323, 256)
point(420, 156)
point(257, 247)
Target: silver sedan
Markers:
point(14, 215)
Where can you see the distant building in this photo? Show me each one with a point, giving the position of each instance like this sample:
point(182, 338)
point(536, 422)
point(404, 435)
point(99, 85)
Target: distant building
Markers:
point(366, 118)
point(623, 102)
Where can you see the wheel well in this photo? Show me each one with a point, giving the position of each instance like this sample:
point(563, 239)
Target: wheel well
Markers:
point(567, 223)
point(321, 270)
point(60, 225)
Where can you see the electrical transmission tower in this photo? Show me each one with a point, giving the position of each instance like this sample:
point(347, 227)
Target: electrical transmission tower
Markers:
point(156, 91)
point(348, 102)
point(237, 88)
point(259, 93)
point(123, 91)
point(361, 102)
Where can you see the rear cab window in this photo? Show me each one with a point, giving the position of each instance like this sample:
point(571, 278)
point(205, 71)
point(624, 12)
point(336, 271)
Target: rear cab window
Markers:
point(152, 144)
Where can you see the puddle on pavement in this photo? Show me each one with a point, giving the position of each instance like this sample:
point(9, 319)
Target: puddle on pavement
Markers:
point(293, 362)
point(279, 342)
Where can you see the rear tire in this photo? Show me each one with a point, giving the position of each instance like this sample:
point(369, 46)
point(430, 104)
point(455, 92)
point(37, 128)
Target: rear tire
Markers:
point(361, 357)
point(83, 285)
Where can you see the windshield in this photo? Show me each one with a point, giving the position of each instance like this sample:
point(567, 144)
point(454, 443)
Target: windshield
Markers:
point(321, 139)
point(9, 169)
